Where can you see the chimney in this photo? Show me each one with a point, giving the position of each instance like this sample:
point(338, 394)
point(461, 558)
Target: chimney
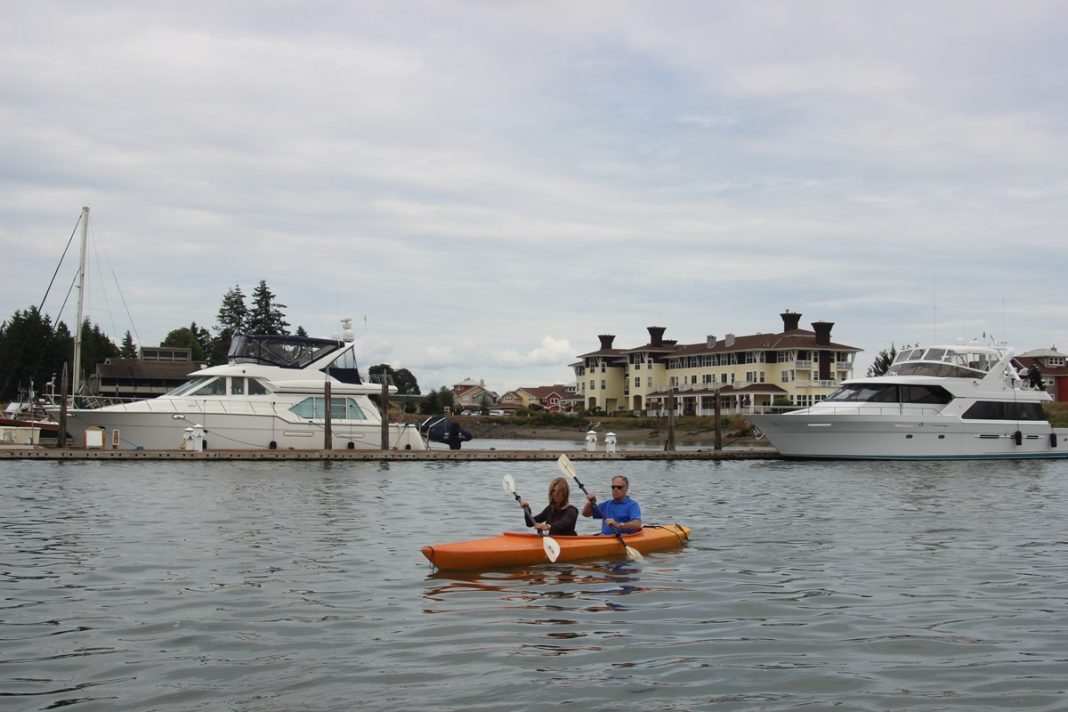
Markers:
point(790, 320)
point(606, 341)
point(728, 340)
point(710, 341)
point(823, 332)
point(656, 335)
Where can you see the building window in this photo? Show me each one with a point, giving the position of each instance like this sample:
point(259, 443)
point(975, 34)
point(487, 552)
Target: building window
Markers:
point(637, 382)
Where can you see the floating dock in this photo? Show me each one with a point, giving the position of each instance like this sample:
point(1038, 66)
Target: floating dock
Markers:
point(471, 455)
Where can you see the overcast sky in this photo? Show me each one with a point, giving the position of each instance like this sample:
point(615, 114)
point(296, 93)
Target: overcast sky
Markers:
point(489, 185)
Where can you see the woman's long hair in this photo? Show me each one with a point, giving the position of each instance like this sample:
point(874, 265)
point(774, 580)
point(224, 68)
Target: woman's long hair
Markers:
point(560, 482)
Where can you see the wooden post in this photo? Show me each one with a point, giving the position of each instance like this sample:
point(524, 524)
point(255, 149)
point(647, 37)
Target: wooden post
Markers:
point(328, 427)
point(385, 412)
point(717, 414)
point(669, 444)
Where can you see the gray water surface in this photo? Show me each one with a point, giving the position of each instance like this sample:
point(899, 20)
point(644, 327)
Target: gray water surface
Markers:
point(284, 586)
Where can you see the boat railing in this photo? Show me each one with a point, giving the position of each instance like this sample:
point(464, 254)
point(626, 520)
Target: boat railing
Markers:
point(378, 378)
point(99, 401)
point(91, 402)
point(805, 383)
point(910, 409)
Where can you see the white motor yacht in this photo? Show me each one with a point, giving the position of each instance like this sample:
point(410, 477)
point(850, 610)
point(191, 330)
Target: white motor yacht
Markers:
point(933, 403)
point(269, 395)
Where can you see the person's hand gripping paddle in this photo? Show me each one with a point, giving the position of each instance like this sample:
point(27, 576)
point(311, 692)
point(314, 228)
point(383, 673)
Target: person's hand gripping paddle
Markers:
point(569, 471)
point(551, 546)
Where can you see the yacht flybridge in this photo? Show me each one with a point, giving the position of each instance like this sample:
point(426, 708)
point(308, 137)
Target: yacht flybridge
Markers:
point(271, 394)
point(940, 402)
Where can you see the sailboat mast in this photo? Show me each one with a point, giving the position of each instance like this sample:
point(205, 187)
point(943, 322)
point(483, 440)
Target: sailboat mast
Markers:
point(76, 381)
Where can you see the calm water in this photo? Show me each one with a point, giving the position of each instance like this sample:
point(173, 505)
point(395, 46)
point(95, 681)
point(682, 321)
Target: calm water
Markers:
point(251, 586)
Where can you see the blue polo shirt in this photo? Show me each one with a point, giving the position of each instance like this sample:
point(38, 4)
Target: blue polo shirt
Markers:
point(623, 511)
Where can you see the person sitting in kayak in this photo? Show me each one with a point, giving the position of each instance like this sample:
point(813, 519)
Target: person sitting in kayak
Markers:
point(558, 519)
point(619, 514)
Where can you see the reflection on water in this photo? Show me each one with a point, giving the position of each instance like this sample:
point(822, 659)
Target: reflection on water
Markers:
point(277, 586)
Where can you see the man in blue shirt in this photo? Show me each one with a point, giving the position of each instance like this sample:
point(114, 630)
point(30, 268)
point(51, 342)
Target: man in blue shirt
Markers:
point(619, 514)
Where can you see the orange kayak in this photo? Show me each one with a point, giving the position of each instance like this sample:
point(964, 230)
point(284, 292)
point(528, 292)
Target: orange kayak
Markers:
point(523, 549)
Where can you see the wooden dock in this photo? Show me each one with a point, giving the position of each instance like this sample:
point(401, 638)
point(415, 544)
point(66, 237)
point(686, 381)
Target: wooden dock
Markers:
point(470, 455)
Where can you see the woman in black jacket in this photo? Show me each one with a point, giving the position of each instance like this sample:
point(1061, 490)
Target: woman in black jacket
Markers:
point(558, 519)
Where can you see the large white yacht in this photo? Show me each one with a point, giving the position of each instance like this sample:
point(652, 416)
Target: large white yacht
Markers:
point(939, 402)
point(269, 395)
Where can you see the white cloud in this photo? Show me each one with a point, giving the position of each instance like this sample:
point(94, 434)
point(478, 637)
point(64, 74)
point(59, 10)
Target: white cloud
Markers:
point(551, 352)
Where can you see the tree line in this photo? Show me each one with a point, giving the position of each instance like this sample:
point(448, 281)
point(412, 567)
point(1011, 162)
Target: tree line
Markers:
point(34, 350)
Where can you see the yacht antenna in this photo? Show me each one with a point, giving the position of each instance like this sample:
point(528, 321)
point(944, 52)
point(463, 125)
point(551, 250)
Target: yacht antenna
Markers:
point(935, 306)
point(1003, 330)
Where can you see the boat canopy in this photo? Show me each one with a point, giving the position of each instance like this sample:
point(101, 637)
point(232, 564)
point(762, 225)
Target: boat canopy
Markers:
point(945, 362)
point(283, 351)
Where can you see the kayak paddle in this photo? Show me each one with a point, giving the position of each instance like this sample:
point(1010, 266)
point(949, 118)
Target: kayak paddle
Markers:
point(551, 546)
point(568, 469)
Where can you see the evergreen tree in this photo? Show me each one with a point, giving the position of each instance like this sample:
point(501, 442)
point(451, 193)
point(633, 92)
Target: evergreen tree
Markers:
point(60, 353)
point(128, 348)
point(882, 362)
point(233, 313)
point(203, 339)
point(96, 348)
point(301, 331)
point(28, 353)
point(266, 316)
point(232, 318)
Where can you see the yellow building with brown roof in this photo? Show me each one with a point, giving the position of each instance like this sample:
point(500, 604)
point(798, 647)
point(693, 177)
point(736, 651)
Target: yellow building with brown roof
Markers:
point(746, 372)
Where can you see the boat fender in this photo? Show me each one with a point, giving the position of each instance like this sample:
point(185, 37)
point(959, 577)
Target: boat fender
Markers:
point(1053, 439)
point(1018, 437)
point(272, 445)
point(350, 445)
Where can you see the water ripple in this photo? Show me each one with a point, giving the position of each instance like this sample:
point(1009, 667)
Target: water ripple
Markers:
point(274, 586)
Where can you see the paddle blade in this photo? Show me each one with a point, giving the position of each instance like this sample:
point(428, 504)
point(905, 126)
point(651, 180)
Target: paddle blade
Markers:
point(508, 483)
point(633, 554)
point(564, 463)
point(552, 548)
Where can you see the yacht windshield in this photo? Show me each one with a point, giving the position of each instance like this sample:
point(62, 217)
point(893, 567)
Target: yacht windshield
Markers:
point(944, 363)
point(188, 386)
point(283, 351)
point(343, 368)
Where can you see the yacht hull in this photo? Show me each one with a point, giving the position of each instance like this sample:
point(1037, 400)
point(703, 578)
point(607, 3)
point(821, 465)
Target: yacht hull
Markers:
point(875, 437)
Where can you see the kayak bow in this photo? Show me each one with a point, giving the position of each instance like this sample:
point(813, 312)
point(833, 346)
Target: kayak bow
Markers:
point(522, 549)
